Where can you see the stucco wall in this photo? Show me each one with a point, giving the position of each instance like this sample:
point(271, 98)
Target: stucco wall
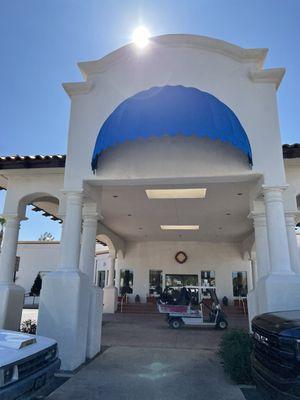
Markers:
point(223, 258)
point(35, 257)
point(190, 64)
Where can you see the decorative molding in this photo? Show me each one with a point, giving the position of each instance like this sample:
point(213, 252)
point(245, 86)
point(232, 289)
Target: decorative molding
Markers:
point(272, 75)
point(235, 52)
point(279, 188)
point(77, 88)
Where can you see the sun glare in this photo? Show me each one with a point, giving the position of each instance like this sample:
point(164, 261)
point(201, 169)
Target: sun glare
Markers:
point(141, 36)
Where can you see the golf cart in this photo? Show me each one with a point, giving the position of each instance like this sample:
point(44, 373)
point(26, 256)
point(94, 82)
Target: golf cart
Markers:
point(192, 305)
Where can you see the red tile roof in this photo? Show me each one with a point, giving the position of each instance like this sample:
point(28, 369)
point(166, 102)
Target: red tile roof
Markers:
point(59, 160)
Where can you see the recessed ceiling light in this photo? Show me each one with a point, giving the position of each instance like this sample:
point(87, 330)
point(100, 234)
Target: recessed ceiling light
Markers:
point(240, 194)
point(220, 228)
point(129, 215)
point(228, 213)
point(115, 196)
point(193, 193)
point(140, 228)
point(179, 227)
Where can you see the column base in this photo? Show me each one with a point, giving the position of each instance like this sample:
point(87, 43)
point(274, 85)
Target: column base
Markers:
point(95, 322)
point(63, 315)
point(110, 300)
point(11, 300)
point(278, 293)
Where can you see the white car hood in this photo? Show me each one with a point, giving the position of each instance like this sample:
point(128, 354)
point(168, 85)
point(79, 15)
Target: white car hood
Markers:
point(15, 346)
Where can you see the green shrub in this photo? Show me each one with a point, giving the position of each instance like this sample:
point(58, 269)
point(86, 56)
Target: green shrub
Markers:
point(235, 350)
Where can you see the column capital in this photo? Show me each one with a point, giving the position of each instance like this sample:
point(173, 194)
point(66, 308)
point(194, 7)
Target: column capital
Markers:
point(90, 215)
point(273, 193)
point(73, 194)
point(268, 189)
point(90, 220)
point(259, 218)
point(91, 209)
point(13, 218)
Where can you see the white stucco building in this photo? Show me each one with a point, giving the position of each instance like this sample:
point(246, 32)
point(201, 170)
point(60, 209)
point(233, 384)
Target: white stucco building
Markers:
point(173, 148)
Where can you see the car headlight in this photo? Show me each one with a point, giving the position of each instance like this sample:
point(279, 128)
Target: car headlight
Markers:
point(8, 374)
point(297, 347)
point(51, 354)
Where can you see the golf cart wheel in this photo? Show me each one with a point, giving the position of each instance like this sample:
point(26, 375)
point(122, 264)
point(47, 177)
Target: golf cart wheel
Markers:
point(175, 323)
point(222, 324)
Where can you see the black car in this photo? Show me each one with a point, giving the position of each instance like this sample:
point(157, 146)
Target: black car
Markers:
point(276, 354)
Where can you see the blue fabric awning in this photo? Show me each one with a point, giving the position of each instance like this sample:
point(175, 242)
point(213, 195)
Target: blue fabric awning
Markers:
point(171, 110)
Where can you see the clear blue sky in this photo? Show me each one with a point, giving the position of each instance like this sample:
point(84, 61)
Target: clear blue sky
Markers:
point(42, 40)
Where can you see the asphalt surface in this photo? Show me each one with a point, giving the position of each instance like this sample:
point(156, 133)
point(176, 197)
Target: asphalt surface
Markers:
point(135, 373)
point(145, 359)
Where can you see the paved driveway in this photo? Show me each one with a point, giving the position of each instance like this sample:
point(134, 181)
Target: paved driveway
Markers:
point(136, 373)
point(144, 359)
point(153, 331)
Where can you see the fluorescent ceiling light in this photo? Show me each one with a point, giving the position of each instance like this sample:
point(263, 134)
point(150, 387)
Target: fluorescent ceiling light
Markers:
point(194, 193)
point(179, 227)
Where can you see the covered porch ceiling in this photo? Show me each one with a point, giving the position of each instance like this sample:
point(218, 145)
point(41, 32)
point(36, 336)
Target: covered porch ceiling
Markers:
point(221, 215)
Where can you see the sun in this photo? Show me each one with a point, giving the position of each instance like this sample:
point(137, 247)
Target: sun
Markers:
point(141, 36)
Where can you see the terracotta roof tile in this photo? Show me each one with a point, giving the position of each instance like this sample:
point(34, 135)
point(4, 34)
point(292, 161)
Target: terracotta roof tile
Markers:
point(59, 160)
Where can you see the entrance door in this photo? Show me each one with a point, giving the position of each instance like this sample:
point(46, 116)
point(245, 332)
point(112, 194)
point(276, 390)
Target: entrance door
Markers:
point(178, 280)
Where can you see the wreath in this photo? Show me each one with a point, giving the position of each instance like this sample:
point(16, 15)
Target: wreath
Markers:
point(181, 257)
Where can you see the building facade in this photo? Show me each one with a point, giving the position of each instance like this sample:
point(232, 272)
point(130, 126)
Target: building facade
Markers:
point(175, 148)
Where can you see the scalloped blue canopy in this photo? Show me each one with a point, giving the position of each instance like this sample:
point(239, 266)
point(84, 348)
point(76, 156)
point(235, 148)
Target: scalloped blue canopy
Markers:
point(171, 110)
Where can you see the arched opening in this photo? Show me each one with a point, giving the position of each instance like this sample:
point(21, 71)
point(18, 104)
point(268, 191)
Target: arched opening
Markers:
point(38, 248)
point(104, 250)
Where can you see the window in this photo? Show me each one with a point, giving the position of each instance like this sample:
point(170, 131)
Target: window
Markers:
point(155, 282)
point(208, 278)
point(181, 280)
point(101, 279)
point(126, 281)
point(239, 284)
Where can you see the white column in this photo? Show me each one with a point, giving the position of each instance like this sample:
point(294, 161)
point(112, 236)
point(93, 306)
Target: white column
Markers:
point(62, 217)
point(65, 295)
point(70, 248)
point(11, 295)
point(88, 243)
point(9, 249)
point(117, 275)
point(279, 289)
point(86, 265)
point(111, 273)
point(292, 240)
point(261, 244)
point(253, 273)
point(277, 235)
